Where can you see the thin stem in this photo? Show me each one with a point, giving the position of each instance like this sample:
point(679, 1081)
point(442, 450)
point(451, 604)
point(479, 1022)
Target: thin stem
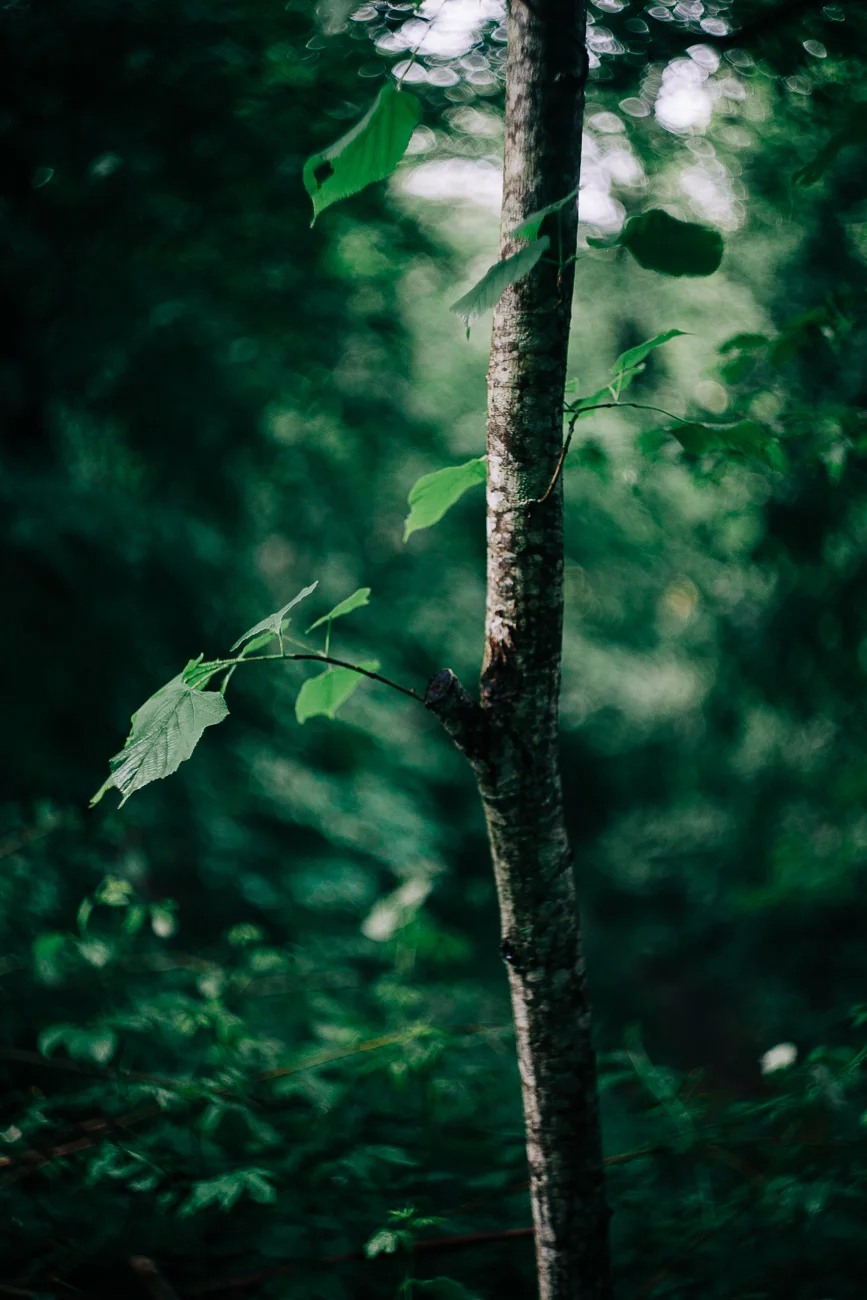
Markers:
point(576, 415)
point(639, 406)
point(220, 664)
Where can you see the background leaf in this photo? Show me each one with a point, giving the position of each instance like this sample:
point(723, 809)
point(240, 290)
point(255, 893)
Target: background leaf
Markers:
point(326, 693)
point(367, 153)
point(433, 494)
point(660, 242)
point(746, 438)
point(488, 291)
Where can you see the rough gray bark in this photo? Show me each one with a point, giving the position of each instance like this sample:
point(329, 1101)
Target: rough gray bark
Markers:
point(511, 739)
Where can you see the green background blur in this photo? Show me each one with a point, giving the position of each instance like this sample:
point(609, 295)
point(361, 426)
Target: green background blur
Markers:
point(206, 405)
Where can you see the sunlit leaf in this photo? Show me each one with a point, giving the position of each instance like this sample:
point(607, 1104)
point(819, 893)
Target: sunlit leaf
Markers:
point(323, 695)
point(530, 226)
point(384, 1242)
point(267, 628)
point(629, 360)
point(355, 601)
point(367, 153)
point(659, 242)
point(488, 291)
point(433, 494)
point(165, 731)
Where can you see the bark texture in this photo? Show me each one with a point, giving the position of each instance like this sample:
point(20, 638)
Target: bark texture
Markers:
point(512, 737)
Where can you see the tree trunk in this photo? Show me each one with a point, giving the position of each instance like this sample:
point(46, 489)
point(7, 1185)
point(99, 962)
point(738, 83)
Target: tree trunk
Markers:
point(512, 739)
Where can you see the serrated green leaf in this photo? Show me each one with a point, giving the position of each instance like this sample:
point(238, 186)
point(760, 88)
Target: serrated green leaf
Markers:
point(662, 243)
point(367, 153)
point(629, 360)
point(530, 226)
point(355, 601)
point(323, 695)
point(433, 494)
point(166, 730)
point(267, 628)
point(489, 290)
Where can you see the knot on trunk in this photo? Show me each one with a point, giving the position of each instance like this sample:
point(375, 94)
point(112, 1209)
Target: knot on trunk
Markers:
point(461, 715)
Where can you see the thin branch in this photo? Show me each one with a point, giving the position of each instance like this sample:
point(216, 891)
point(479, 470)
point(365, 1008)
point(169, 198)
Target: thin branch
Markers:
point(461, 715)
point(220, 664)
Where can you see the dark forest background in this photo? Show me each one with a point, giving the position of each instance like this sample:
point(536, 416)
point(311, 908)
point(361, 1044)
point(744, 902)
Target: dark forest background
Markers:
point(281, 1017)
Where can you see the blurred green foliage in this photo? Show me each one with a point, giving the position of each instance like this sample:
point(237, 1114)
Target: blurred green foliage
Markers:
point(254, 1025)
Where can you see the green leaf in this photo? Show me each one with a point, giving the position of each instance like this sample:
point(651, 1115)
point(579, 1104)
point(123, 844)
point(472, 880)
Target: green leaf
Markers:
point(433, 494)
point(659, 242)
point(325, 694)
point(745, 438)
point(355, 601)
point(163, 919)
point(165, 731)
point(47, 951)
point(267, 628)
point(530, 226)
point(134, 918)
point(742, 342)
point(53, 1037)
point(224, 1190)
point(367, 153)
point(488, 291)
point(634, 357)
point(114, 892)
point(384, 1242)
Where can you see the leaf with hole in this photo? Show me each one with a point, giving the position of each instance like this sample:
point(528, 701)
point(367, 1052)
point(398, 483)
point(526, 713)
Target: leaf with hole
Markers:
point(530, 226)
point(323, 695)
point(663, 243)
point(267, 628)
point(433, 494)
point(165, 731)
point(353, 602)
point(368, 153)
point(489, 290)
